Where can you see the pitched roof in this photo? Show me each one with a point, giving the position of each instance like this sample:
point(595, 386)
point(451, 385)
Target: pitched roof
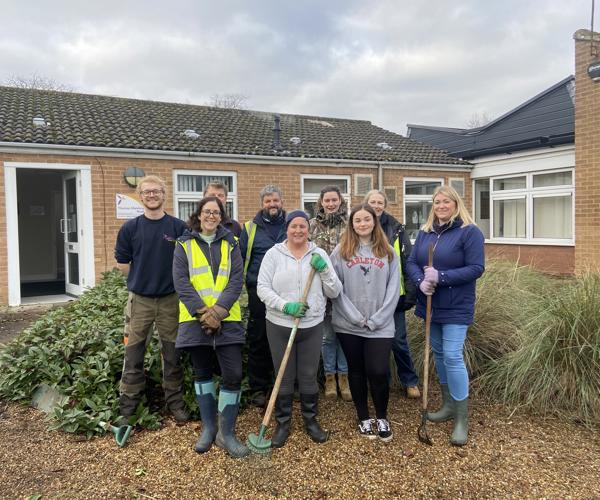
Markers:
point(74, 119)
point(548, 119)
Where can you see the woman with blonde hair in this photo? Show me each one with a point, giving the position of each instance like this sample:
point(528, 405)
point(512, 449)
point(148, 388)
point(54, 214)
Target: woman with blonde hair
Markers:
point(458, 260)
point(363, 315)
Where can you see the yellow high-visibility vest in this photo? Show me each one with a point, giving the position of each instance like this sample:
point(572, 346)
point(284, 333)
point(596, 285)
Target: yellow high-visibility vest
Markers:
point(251, 231)
point(202, 280)
point(397, 250)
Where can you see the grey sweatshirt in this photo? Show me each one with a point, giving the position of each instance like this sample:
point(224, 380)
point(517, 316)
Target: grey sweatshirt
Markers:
point(282, 278)
point(371, 289)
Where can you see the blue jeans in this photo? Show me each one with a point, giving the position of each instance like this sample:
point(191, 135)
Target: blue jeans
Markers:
point(404, 364)
point(447, 342)
point(334, 360)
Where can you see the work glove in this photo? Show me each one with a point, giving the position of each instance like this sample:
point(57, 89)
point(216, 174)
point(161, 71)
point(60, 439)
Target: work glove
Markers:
point(210, 320)
point(432, 274)
point(318, 262)
point(427, 287)
point(200, 312)
point(295, 309)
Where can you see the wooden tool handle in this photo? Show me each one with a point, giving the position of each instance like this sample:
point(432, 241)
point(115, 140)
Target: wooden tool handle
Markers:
point(427, 337)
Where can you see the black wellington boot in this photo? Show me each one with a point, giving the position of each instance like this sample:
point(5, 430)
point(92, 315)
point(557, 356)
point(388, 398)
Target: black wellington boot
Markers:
point(309, 408)
point(283, 417)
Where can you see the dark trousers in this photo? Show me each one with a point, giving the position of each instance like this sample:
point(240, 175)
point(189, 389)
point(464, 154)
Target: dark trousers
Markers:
point(402, 357)
point(260, 364)
point(368, 362)
point(303, 363)
point(230, 362)
point(142, 315)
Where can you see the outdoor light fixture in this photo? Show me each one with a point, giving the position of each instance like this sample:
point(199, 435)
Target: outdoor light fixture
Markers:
point(133, 175)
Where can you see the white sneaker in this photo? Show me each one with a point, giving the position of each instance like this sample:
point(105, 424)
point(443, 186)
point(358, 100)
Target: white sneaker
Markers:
point(384, 431)
point(365, 427)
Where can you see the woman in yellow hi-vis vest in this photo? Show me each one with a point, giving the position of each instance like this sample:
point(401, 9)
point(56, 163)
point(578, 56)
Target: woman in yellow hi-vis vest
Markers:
point(208, 273)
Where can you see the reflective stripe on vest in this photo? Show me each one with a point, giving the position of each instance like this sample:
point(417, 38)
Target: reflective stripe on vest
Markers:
point(202, 280)
point(397, 250)
point(251, 232)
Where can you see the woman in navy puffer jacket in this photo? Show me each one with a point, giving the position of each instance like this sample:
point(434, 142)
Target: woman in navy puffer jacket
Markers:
point(458, 260)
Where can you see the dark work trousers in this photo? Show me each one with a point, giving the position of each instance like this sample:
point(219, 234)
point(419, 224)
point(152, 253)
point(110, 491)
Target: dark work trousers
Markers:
point(260, 365)
point(303, 362)
point(230, 361)
point(402, 357)
point(368, 361)
point(141, 315)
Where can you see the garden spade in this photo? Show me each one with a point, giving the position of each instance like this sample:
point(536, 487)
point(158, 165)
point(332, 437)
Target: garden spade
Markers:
point(422, 431)
point(258, 443)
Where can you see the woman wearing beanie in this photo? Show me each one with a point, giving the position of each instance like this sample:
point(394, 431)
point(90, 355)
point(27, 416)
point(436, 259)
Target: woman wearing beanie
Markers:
point(458, 260)
point(325, 231)
point(281, 281)
point(363, 315)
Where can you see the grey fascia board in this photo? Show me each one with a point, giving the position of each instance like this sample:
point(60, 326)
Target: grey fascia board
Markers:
point(24, 148)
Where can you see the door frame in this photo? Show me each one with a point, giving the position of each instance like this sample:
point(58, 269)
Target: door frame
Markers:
point(88, 274)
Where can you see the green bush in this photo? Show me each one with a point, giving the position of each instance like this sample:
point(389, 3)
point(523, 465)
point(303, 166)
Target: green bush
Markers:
point(555, 369)
point(506, 300)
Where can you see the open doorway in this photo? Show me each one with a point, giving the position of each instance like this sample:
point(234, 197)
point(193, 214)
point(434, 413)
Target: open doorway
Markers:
point(41, 243)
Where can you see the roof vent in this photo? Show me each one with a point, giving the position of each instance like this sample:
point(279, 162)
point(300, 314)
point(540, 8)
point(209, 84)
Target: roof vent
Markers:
point(295, 140)
point(276, 132)
point(39, 122)
point(384, 145)
point(190, 134)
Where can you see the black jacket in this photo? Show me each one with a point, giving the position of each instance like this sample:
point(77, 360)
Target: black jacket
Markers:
point(394, 230)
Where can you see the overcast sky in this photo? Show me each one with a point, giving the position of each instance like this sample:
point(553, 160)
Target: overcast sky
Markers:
point(392, 62)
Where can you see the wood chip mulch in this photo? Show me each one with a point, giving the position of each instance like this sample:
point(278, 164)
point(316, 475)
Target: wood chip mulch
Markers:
point(518, 456)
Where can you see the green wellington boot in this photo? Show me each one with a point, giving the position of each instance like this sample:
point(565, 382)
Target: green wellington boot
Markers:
point(461, 423)
point(446, 412)
point(229, 405)
point(207, 402)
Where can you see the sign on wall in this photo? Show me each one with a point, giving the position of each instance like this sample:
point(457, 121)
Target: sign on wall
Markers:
point(128, 207)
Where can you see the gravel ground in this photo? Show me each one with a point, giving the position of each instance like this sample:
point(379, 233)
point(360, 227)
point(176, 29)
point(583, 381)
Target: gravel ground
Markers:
point(518, 456)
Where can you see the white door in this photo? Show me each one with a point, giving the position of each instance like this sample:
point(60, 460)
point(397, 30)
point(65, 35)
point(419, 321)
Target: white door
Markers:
point(70, 228)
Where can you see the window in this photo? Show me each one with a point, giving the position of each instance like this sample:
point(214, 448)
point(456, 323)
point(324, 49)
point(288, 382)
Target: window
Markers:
point(312, 185)
point(459, 185)
point(417, 202)
point(189, 189)
point(526, 208)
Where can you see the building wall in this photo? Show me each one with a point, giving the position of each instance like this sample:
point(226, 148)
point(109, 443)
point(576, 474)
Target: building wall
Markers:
point(587, 153)
point(549, 259)
point(107, 181)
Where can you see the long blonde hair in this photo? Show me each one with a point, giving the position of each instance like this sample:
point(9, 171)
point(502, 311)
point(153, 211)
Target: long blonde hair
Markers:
point(461, 211)
point(350, 241)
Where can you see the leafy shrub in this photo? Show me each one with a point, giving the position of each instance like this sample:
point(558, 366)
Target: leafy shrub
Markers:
point(556, 367)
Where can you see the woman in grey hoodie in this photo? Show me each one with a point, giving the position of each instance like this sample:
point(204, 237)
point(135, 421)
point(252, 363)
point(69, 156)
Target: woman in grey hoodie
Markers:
point(363, 315)
point(281, 280)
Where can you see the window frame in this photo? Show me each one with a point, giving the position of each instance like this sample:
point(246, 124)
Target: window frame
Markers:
point(314, 197)
point(529, 193)
point(406, 198)
point(189, 196)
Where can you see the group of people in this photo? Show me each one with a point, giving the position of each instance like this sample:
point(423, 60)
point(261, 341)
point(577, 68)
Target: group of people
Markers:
point(187, 280)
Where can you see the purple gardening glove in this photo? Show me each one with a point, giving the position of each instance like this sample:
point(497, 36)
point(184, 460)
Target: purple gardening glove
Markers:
point(432, 274)
point(427, 287)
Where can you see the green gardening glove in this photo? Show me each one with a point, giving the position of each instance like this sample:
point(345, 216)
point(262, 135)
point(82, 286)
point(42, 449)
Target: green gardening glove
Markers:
point(318, 262)
point(295, 309)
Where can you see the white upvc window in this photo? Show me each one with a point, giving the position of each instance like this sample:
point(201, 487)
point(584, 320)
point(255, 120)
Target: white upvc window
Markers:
point(189, 185)
point(527, 208)
point(417, 202)
point(458, 183)
point(311, 185)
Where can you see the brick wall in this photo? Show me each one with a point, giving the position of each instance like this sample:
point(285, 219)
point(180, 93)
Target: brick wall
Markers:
point(587, 153)
point(549, 259)
point(107, 181)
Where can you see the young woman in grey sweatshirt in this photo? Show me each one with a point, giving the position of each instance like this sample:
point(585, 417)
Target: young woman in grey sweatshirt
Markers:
point(363, 314)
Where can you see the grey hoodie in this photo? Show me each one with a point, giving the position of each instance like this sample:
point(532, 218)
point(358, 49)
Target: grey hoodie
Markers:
point(282, 278)
point(371, 289)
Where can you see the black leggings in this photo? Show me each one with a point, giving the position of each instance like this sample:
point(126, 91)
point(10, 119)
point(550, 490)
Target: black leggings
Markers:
point(230, 361)
point(368, 360)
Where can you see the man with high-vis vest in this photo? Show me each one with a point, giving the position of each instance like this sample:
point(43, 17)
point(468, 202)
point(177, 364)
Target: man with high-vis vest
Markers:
point(259, 235)
point(144, 253)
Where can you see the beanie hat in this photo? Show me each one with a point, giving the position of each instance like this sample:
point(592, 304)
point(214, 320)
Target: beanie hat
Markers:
point(293, 214)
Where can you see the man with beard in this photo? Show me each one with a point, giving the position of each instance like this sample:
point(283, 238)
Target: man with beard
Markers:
point(259, 235)
point(144, 253)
